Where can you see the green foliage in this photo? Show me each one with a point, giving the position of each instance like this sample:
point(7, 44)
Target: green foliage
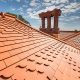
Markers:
point(22, 19)
point(19, 17)
point(76, 30)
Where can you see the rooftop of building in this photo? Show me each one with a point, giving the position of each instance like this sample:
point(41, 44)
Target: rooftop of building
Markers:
point(29, 54)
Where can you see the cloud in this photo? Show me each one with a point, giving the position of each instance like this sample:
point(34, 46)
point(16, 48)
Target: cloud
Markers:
point(56, 1)
point(73, 18)
point(69, 19)
point(29, 9)
point(13, 9)
point(72, 7)
point(18, 0)
point(24, 6)
point(64, 1)
point(3, 0)
point(33, 16)
point(20, 9)
point(33, 3)
point(46, 4)
point(46, 0)
point(50, 5)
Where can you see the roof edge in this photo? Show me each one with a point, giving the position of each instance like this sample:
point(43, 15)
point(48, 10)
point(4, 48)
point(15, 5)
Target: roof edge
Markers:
point(12, 16)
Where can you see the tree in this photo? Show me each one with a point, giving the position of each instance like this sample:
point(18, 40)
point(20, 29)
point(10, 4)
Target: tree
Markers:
point(19, 17)
point(75, 30)
point(22, 19)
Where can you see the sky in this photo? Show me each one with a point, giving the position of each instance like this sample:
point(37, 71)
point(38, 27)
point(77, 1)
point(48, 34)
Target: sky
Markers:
point(29, 9)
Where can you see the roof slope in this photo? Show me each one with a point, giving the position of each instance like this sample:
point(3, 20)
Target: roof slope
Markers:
point(27, 54)
point(71, 38)
point(75, 41)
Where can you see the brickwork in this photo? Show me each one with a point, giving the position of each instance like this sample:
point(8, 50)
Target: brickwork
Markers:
point(48, 15)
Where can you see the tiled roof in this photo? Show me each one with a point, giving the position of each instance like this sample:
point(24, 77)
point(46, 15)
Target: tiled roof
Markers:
point(64, 34)
point(27, 54)
point(75, 41)
point(71, 38)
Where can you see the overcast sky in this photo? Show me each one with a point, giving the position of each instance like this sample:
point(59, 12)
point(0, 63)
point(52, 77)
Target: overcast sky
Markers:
point(29, 9)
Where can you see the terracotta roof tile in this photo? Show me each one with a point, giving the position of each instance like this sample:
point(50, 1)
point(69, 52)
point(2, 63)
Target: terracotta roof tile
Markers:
point(2, 66)
point(27, 54)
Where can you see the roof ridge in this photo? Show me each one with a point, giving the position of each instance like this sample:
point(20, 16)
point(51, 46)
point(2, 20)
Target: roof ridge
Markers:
point(6, 14)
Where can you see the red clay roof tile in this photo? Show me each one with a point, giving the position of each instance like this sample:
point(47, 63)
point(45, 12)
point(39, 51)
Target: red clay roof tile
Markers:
point(27, 54)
